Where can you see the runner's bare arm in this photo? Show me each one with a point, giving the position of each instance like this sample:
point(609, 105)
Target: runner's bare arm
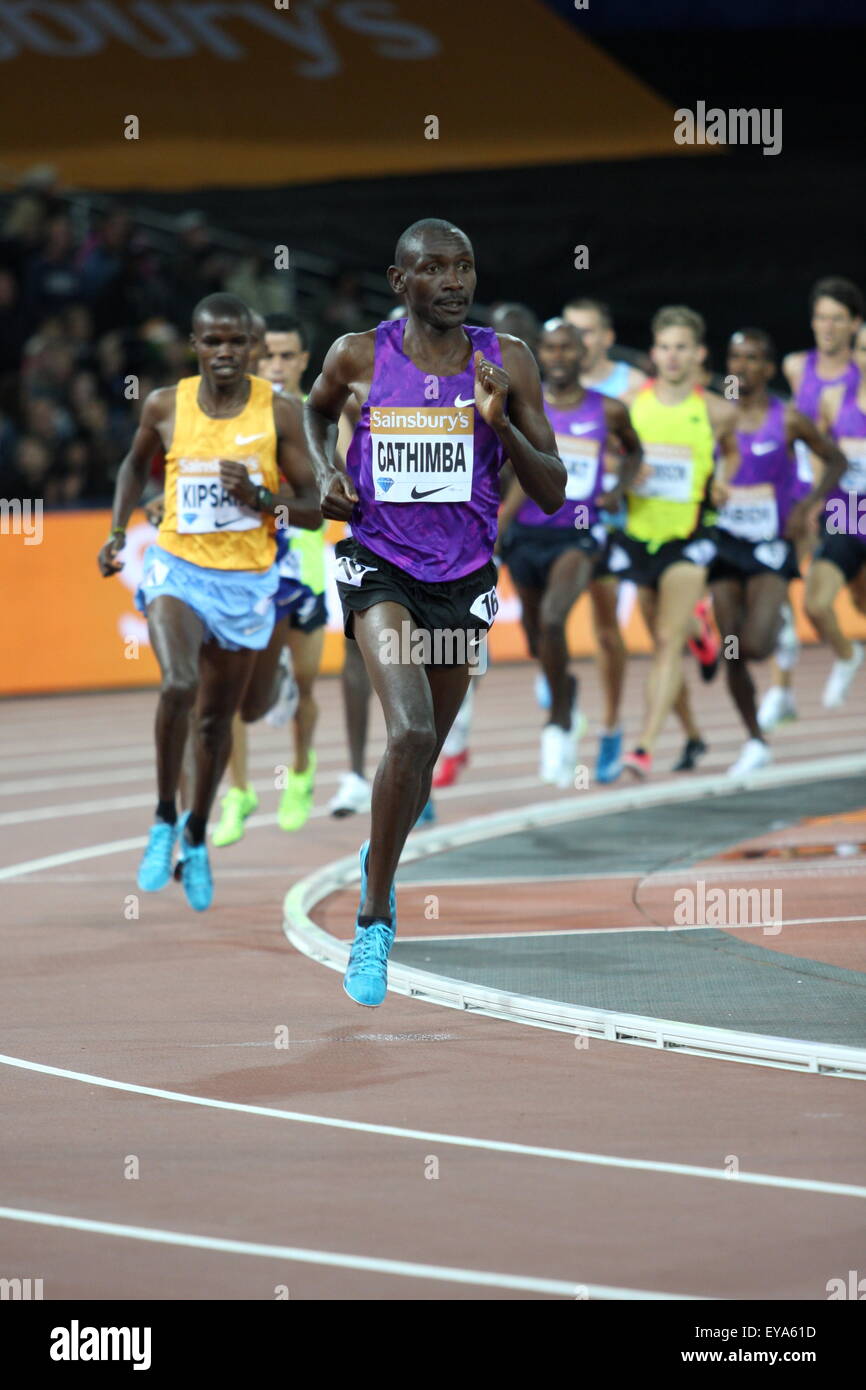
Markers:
point(723, 418)
point(619, 425)
point(793, 367)
point(295, 465)
point(514, 499)
point(509, 399)
point(799, 426)
point(349, 363)
point(134, 472)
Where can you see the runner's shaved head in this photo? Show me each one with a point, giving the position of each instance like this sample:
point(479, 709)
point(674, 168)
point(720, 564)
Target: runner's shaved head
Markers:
point(420, 233)
point(222, 306)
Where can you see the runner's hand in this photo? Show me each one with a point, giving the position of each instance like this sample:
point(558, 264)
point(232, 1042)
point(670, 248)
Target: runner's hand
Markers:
point(107, 557)
point(610, 501)
point(803, 518)
point(340, 497)
point(237, 482)
point(719, 492)
point(491, 391)
point(155, 509)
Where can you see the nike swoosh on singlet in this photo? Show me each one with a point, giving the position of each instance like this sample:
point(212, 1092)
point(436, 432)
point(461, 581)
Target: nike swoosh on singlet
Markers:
point(764, 448)
point(417, 496)
point(247, 438)
point(218, 525)
point(457, 401)
point(581, 429)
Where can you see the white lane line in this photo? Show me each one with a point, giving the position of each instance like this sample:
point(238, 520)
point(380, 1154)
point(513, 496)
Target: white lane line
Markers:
point(295, 1254)
point(683, 1170)
point(73, 856)
point(601, 931)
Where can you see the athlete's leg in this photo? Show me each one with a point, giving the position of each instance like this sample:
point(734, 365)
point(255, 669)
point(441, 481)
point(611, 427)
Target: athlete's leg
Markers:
point(306, 649)
point(356, 705)
point(857, 589)
point(224, 678)
point(729, 601)
point(648, 602)
point(530, 615)
point(416, 729)
point(611, 653)
point(569, 575)
point(177, 636)
point(822, 588)
point(679, 588)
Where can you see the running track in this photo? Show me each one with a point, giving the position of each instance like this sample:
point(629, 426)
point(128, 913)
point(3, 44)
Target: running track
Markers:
point(242, 1195)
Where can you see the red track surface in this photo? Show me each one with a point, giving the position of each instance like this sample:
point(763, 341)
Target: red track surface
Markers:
point(190, 1004)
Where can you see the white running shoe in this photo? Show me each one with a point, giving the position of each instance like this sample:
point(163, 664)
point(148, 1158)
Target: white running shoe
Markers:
point(353, 795)
point(777, 707)
point(285, 705)
point(553, 754)
point(840, 678)
point(755, 754)
point(570, 744)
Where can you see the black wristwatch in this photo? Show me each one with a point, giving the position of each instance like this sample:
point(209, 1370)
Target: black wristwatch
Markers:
point(265, 499)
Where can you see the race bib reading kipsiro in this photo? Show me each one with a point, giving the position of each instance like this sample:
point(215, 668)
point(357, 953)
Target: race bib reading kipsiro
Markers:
point(422, 453)
point(203, 505)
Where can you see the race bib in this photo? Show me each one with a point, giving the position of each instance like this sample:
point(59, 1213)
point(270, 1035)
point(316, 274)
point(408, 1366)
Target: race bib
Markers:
point(751, 513)
point(580, 457)
point(854, 477)
point(485, 607)
point(203, 505)
point(422, 453)
point(670, 468)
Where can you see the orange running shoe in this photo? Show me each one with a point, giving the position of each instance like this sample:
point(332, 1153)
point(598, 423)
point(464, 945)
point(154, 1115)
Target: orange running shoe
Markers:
point(449, 769)
point(708, 647)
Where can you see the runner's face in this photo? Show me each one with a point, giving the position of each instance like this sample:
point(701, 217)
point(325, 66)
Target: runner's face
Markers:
point(597, 340)
point(748, 363)
point(677, 355)
point(284, 361)
point(439, 281)
point(561, 355)
point(860, 351)
point(223, 348)
point(832, 325)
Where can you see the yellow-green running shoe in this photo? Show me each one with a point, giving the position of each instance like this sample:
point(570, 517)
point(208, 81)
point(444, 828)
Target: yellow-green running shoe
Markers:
point(237, 805)
point(296, 802)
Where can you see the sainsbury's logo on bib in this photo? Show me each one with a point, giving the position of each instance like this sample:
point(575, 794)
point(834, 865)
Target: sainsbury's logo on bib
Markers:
point(422, 454)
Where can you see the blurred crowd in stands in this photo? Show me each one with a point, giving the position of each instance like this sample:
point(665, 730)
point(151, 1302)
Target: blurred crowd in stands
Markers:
point(94, 314)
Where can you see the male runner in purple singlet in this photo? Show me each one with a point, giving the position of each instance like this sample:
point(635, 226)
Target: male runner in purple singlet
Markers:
point(442, 407)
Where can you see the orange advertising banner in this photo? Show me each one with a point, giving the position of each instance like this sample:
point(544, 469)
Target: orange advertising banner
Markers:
point(64, 627)
point(180, 94)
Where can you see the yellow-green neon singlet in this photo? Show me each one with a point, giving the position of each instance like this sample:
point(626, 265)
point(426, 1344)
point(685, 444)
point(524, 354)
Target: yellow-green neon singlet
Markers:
point(309, 546)
point(678, 446)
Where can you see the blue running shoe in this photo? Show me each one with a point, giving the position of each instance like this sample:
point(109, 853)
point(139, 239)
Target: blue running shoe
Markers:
point(154, 871)
point(609, 763)
point(193, 870)
point(542, 691)
point(366, 977)
point(392, 900)
point(427, 816)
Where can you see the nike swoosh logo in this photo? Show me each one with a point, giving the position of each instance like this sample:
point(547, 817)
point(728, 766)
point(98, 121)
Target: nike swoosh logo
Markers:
point(417, 496)
point(582, 429)
point(247, 438)
point(457, 401)
point(764, 448)
point(218, 525)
